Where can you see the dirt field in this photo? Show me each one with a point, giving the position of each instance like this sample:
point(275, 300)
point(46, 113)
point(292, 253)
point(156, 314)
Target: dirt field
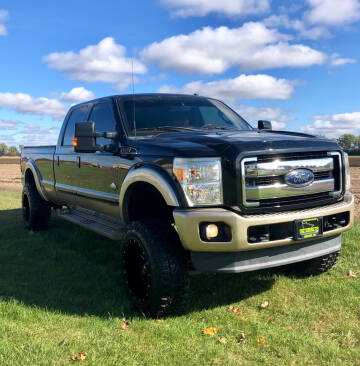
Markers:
point(354, 161)
point(10, 179)
point(10, 176)
point(9, 160)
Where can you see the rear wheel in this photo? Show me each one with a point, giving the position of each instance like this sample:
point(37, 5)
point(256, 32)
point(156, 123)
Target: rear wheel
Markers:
point(36, 211)
point(154, 268)
point(315, 266)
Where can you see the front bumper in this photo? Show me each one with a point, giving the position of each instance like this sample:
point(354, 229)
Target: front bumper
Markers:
point(235, 262)
point(187, 224)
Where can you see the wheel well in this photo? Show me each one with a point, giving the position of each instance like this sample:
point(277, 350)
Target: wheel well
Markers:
point(29, 177)
point(144, 201)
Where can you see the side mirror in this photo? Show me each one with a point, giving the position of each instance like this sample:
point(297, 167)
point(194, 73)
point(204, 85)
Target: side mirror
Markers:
point(85, 137)
point(264, 125)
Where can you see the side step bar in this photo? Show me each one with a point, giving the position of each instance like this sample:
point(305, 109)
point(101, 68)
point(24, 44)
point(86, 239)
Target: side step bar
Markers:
point(101, 224)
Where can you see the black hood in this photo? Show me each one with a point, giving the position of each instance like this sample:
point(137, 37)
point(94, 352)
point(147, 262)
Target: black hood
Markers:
point(229, 143)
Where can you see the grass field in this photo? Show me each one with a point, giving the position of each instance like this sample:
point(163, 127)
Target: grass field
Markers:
point(61, 294)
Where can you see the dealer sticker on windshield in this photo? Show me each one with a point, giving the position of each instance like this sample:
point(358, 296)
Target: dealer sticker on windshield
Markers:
point(308, 228)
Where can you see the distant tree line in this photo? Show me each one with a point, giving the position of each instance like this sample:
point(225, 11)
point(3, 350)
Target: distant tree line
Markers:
point(8, 150)
point(350, 143)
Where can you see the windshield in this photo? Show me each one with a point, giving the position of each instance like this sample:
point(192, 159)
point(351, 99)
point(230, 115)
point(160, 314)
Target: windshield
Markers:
point(163, 113)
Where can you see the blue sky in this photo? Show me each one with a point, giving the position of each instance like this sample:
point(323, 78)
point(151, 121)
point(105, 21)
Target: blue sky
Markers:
point(296, 65)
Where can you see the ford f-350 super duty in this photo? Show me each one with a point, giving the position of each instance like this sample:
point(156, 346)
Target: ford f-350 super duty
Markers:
point(182, 182)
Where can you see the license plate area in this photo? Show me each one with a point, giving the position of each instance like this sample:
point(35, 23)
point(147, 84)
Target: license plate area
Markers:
point(308, 228)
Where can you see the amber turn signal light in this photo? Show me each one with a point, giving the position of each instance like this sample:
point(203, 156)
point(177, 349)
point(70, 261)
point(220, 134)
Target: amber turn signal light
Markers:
point(75, 142)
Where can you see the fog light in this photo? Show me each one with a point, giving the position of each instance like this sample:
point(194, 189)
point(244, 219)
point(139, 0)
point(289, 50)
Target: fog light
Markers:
point(212, 231)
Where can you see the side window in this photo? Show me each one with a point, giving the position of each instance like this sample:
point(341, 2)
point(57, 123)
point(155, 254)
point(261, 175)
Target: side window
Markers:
point(77, 115)
point(103, 116)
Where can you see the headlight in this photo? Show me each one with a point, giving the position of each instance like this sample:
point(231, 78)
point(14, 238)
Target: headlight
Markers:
point(347, 173)
point(200, 180)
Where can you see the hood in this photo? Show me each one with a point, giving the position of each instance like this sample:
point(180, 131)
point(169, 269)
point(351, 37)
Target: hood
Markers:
point(217, 143)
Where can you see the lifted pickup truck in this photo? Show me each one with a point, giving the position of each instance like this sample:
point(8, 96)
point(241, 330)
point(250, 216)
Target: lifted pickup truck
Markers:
point(183, 182)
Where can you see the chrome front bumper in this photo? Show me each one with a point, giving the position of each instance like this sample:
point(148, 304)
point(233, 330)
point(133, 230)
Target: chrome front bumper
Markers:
point(187, 224)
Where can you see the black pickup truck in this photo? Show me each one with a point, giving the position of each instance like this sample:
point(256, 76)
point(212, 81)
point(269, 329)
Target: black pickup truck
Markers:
point(184, 183)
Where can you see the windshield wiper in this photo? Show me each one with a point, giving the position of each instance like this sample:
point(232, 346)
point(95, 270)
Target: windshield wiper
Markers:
point(165, 128)
point(211, 126)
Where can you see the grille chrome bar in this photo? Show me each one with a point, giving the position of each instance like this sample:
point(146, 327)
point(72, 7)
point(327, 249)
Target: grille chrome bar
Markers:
point(263, 181)
point(283, 190)
point(277, 167)
point(339, 191)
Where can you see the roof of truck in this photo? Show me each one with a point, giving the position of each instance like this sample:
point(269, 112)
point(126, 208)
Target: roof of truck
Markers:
point(141, 95)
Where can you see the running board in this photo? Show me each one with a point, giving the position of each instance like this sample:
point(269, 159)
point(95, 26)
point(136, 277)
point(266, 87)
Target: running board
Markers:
point(100, 224)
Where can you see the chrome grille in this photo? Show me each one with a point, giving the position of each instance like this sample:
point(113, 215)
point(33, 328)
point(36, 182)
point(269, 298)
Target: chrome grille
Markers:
point(263, 179)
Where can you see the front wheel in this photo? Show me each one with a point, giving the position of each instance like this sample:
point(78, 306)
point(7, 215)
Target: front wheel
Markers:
point(315, 266)
point(154, 268)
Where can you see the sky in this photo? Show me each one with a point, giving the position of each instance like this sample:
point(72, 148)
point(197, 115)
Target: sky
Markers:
point(295, 63)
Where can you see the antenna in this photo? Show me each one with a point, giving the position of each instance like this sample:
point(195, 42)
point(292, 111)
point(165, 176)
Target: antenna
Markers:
point(133, 92)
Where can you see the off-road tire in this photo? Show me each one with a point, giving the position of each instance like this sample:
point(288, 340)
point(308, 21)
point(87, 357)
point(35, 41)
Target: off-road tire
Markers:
point(161, 287)
point(36, 211)
point(315, 266)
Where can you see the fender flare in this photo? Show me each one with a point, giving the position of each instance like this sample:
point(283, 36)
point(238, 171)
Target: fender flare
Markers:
point(151, 175)
point(30, 165)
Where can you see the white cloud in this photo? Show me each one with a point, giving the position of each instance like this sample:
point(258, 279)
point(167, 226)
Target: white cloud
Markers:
point(35, 135)
point(334, 125)
point(333, 12)
point(278, 125)
point(253, 46)
point(78, 94)
point(24, 103)
point(302, 29)
point(9, 140)
point(244, 86)
point(29, 134)
point(9, 125)
point(186, 8)
point(104, 62)
point(252, 114)
point(277, 116)
point(4, 16)
point(336, 60)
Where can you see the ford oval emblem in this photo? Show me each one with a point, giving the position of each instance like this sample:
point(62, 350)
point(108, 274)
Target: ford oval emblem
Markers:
point(299, 178)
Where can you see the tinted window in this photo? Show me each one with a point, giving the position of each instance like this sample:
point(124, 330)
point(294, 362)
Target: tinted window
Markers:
point(103, 116)
point(154, 112)
point(77, 115)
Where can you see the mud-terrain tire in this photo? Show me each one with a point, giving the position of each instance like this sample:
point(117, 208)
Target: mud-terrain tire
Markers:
point(154, 268)
point(36, 211)
point(315, 266)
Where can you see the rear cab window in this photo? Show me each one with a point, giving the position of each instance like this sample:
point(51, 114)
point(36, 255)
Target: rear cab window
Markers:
point(79, 114)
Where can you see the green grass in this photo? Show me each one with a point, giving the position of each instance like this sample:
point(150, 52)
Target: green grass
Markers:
point(65, 283)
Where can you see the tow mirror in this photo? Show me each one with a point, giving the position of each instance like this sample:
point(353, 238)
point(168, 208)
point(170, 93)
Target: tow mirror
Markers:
point(85, 138)
point(264, 125)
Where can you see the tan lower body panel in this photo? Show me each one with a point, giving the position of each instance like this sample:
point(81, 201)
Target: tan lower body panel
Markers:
point(187, 224)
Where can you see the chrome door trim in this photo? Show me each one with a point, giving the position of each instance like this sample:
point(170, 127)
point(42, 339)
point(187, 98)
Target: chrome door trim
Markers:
point(89, 193)
point(65, 188)
point(104, 196)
